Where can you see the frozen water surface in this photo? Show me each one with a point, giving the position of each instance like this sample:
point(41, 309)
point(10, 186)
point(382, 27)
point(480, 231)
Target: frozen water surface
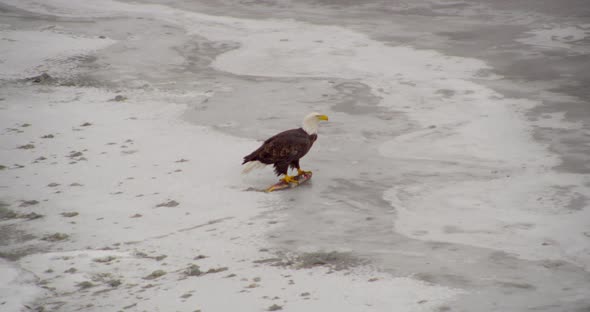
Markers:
point(455, 162)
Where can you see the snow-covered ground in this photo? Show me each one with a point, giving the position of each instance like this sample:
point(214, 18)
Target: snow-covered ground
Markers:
point(437, 182)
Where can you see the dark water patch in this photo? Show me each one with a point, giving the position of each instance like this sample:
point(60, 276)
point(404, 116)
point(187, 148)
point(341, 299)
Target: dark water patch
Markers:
point(570, 145)
point(562, 8)
point(574, 110)
point(578, 110)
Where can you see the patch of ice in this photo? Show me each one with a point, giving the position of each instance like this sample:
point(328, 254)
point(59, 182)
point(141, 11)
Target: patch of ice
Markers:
point(529, 215)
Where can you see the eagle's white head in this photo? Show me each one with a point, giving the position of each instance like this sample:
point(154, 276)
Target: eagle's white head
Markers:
point(311, 122)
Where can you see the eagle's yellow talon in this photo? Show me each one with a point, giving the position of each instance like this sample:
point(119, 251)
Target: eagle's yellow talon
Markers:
point(303, 172)
point(290, 179)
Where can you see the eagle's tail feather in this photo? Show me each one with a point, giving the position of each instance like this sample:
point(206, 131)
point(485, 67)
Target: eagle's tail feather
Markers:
point(251, 165)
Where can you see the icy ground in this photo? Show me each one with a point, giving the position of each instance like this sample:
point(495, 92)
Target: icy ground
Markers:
point(453, 174)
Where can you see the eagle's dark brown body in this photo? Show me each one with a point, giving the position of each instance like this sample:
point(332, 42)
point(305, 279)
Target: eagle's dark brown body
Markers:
point(283, 150)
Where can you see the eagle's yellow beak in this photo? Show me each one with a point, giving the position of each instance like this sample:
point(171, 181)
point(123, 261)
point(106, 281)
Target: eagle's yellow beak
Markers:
point(323, 117)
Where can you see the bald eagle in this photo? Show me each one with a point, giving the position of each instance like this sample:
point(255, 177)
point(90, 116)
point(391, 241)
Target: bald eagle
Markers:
point(284, 150)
